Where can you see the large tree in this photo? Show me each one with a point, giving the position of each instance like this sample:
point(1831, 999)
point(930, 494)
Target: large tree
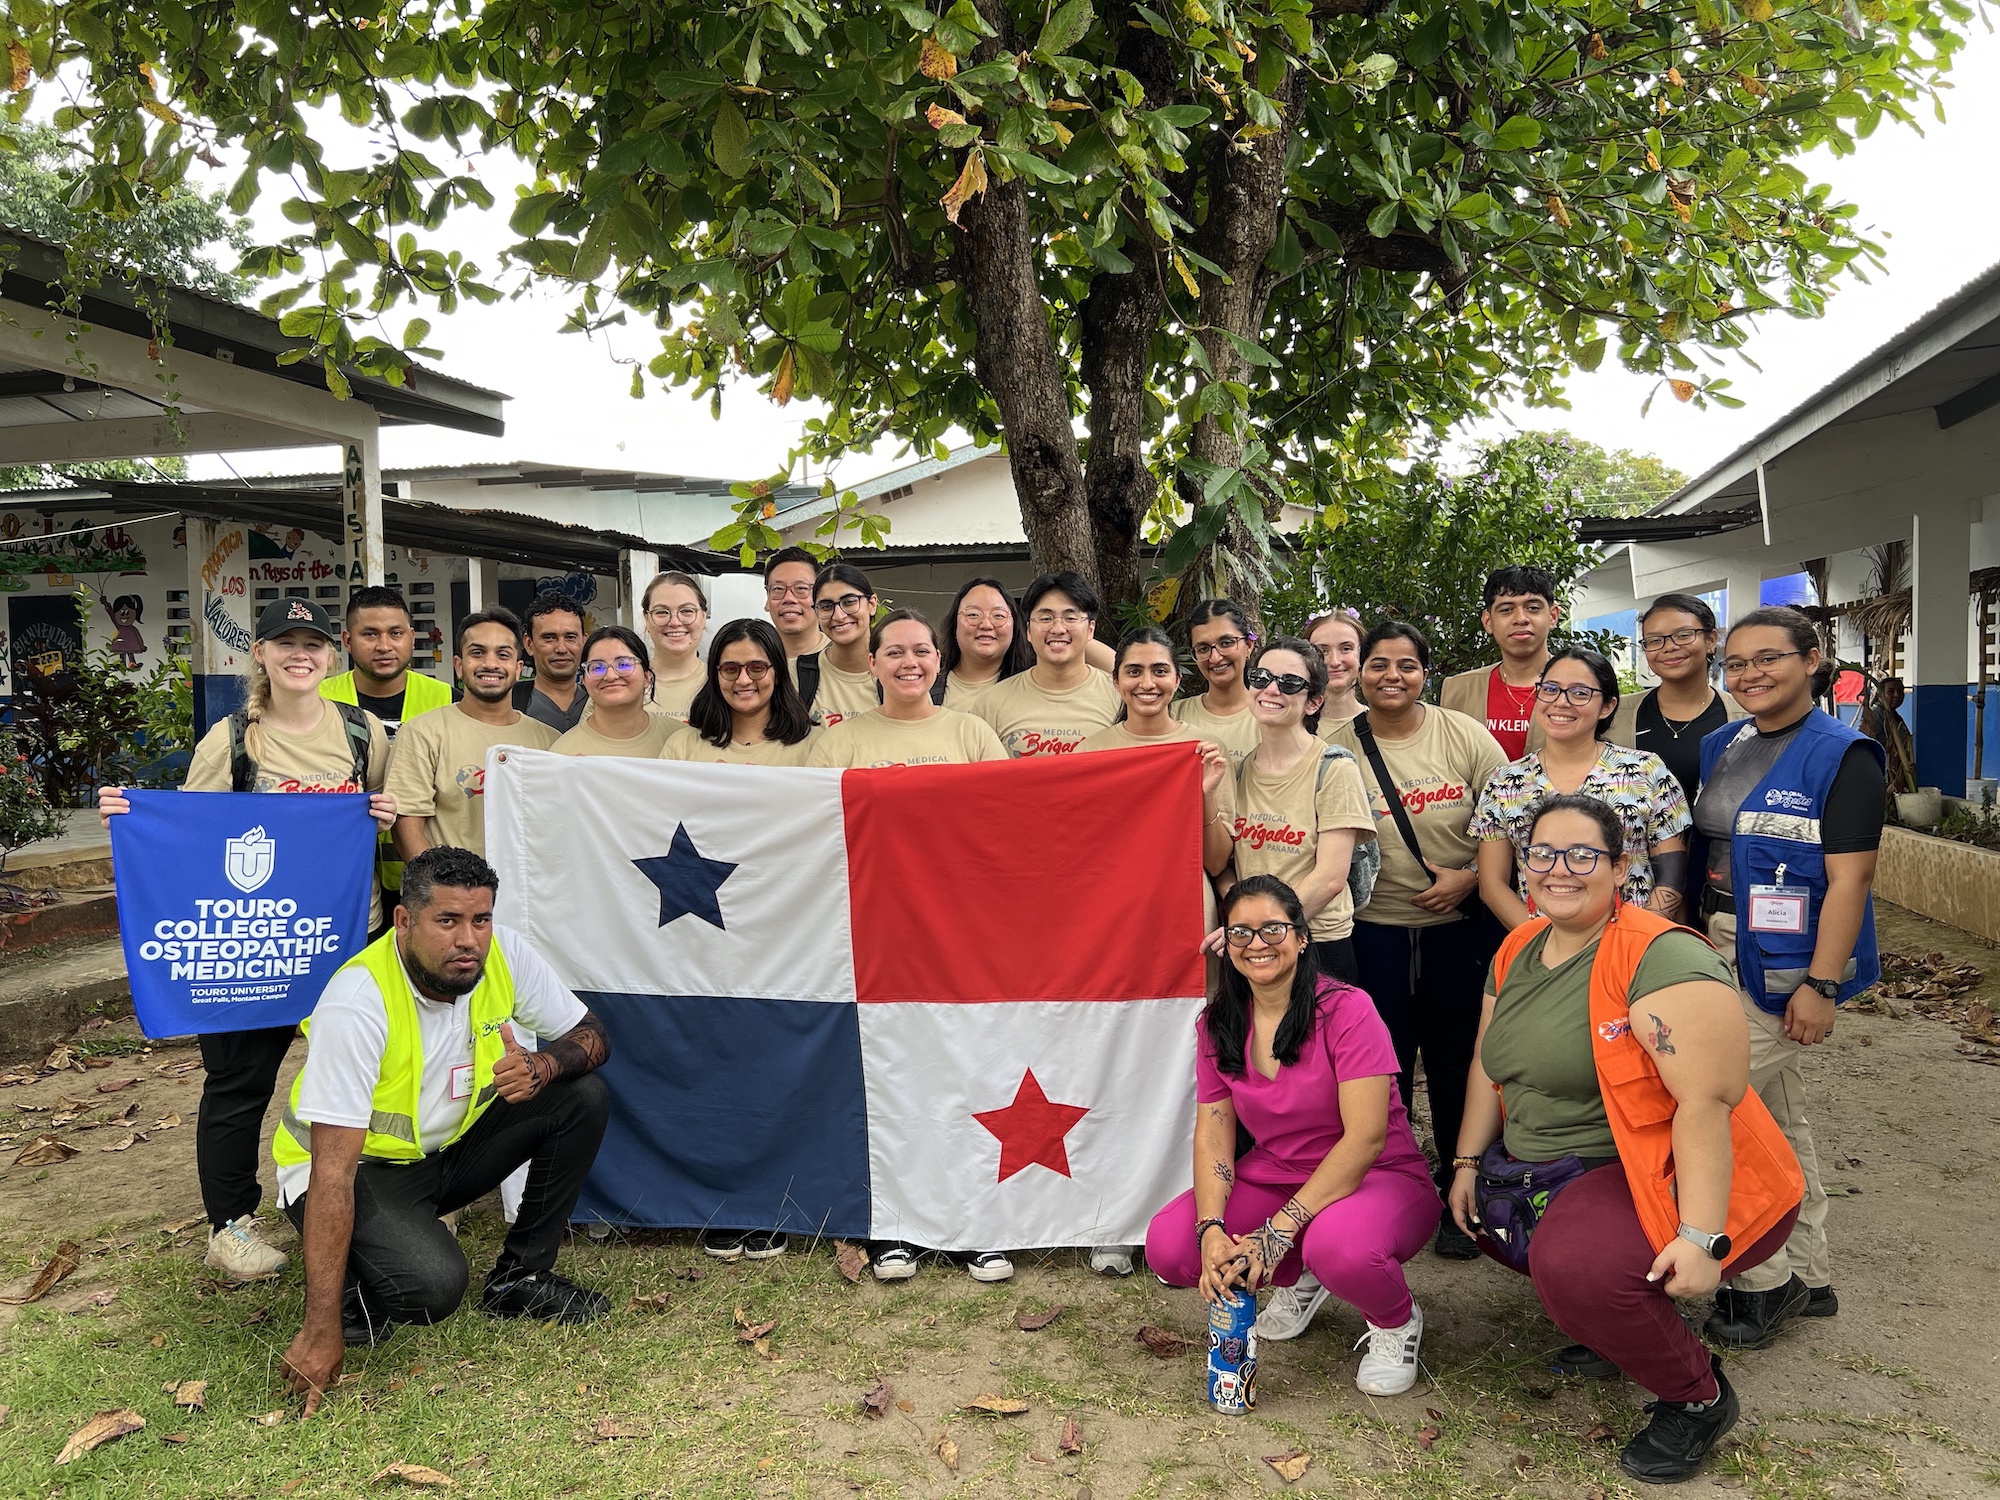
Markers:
point(1247, 244)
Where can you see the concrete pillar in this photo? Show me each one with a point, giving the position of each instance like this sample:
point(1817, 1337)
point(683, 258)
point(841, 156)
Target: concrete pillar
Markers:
point(361, 495)
point(218, 640)
point(1745, 583)
point(482, 584)
point(1940, 561)
point(635, 571)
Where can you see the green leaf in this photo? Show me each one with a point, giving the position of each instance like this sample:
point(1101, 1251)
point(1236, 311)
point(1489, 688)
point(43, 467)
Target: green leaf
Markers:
point(1519, 134)
point(1473, 206)
point(1069, 25)
point(1589, 356)
point(730, 143)
point(1382, 222)
point(1428, 41)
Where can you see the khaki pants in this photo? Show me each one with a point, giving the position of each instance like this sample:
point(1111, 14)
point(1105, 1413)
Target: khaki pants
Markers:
point(1776, 1075)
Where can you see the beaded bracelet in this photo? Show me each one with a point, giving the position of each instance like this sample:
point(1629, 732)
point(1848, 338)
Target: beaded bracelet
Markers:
point(1201, 1232)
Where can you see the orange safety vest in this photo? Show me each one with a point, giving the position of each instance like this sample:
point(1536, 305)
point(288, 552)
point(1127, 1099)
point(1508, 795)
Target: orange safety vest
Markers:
point(1765, 1183)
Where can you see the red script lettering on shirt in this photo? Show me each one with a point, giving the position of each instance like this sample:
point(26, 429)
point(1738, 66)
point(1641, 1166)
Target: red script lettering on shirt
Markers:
point(1419, 798)
point(1257, 835)
point(1033, 743)
point(293, 784)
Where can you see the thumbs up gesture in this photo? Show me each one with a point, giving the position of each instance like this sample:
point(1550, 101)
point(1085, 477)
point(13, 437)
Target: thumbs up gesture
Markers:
point(514, 1076)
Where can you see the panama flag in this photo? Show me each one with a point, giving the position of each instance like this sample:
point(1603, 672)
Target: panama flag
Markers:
point(951, 1005)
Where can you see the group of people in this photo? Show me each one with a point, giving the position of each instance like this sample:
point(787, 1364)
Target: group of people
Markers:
point(1499, 884)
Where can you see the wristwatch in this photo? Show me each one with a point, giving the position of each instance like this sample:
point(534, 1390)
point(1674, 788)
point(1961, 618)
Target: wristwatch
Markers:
point(1717, 1245)
point(1828, 988)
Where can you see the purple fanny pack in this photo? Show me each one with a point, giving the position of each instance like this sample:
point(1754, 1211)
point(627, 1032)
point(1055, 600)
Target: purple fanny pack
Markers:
point(1513, 1195)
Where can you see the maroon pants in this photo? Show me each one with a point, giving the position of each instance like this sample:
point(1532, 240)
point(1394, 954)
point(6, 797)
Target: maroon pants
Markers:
point(1588, 1261)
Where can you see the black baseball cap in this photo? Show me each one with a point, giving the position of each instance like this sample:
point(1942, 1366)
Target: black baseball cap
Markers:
point(281, 615)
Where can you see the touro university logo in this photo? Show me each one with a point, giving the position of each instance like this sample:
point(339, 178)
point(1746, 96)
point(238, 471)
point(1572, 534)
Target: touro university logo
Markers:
point(249, 859)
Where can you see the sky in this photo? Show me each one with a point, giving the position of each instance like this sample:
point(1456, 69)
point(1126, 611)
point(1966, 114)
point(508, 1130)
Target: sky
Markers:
point(1920, 195)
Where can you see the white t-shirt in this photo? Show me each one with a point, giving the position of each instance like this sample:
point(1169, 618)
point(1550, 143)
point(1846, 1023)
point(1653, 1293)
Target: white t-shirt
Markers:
point(350, 1032)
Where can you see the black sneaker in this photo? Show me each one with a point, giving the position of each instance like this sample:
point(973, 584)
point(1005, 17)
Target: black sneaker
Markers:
point(545, 1296)
point(724, 1244)
point(360, 1324)
point(1671, 1447)
point(1751, 1320)
point(1820, 1303)
point(1584, 1362)
point(1453, 1243)
point(763, 1244)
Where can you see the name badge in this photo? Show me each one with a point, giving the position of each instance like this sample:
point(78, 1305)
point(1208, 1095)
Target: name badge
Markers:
point(1778, 908)
point(461, 1081)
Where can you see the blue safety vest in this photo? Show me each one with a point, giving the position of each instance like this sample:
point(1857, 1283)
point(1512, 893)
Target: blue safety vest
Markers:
point(1776, 841)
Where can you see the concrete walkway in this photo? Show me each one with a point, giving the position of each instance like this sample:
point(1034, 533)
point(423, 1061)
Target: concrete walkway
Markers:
point(44, 999)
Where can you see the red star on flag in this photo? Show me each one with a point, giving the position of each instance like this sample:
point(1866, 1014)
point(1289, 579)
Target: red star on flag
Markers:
point(1031, 1129)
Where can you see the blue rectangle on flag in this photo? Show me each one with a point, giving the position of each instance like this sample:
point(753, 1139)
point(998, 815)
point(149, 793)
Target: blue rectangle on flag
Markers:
point(235, 908)
point(733, 1114)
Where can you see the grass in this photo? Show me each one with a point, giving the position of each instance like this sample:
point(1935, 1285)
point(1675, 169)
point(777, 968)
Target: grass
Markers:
point(509, 1411)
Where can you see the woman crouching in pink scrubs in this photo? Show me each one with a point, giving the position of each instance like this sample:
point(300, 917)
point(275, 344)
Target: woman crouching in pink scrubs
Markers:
point(1335, 1195)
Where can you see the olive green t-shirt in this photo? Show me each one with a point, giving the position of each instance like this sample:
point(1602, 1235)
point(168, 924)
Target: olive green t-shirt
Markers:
point(1538, 1045)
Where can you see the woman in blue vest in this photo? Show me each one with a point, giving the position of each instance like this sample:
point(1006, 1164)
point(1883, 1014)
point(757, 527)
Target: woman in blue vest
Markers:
point(1787, 826)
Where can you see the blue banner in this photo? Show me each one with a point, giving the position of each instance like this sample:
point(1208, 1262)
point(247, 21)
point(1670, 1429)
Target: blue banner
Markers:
point(235, 908)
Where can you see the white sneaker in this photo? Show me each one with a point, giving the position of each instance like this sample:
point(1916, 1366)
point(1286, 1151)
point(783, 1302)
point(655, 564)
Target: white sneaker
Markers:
point(989, 1265)
point(1290, 1309)
point(1112, 1260)
point(1389, 1368)
point(238, 1251)
point(895, 1263)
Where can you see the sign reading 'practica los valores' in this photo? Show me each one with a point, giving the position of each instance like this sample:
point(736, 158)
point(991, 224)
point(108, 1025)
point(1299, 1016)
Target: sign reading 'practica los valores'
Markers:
point(234, 908)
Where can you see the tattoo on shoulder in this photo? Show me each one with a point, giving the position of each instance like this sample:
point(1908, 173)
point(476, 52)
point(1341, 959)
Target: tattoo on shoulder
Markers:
point(1661, 1031)
point(1226, 1172)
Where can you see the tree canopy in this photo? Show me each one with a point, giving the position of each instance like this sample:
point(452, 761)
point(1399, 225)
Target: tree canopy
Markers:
point(1246, 245)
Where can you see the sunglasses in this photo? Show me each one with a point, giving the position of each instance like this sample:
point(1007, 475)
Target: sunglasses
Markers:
point(1289, 683)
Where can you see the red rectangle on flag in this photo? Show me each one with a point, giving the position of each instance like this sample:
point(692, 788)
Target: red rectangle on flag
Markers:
point(1056, 878)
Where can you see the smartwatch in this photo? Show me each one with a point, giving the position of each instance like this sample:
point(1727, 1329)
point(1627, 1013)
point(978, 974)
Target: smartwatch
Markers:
point(1828, 988)
point(1717, 1245)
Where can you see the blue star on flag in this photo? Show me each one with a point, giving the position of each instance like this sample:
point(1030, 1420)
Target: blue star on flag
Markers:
point(689, 883)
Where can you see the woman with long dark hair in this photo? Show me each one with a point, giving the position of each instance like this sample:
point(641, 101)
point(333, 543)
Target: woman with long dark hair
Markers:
point(748, 712)
point(1335, 1196)
point(619, 679)
point(986, 641)
point(1677, 635)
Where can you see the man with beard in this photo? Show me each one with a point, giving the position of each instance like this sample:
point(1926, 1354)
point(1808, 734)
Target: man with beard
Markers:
point(554, 643)
point(379, 642)
point(440, 759)
point(415, 1100)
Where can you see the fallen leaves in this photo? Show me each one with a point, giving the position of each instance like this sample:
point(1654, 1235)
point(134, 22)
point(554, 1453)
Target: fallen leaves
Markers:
point(1289, 1466)
point(994, 1405)
point(1070, 1440)
point(128, 1143)
point(274, 1419)
point(1601, 1433)
point(105, 1427)
point(611, 1430)
point(115, 1085)
point(181, 1226)
point(947, 1451)
point(650, 1302)
point(44, 1151)
point(417, 1474)
point(1427, 1436)
point(1164, 1342)
point(1036, 1322)
point(877, 1399)
point(850, 1258)
point(63, 1059)
point(67, 1257)
point(179, 1069)
point(756, 1335)
point(193, 1394)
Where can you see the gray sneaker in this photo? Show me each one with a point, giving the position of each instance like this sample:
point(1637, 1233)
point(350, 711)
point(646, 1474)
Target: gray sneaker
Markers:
point(1290, 1309)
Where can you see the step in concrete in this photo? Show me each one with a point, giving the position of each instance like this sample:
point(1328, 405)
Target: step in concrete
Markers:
point(75, 914)
point(44, 999)
point(81, 857)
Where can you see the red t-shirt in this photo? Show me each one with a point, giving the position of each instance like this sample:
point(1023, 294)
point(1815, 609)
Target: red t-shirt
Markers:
point(1507, 713)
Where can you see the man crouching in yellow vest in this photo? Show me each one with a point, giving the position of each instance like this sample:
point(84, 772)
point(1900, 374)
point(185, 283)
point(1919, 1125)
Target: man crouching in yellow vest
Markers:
point(415, 1100)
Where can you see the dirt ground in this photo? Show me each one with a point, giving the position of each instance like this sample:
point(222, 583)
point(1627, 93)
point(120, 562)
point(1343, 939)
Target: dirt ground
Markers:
point(1900, 1394)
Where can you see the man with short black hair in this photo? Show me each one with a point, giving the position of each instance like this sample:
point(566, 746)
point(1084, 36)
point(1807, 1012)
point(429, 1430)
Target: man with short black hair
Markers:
point(1521, 610)
point(379, 641)
point(789, 576)
point(415, 1100)
point(1062, 699)
point(553, 639)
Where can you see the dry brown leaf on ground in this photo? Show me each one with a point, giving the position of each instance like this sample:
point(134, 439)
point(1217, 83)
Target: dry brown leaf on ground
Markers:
point(1427, 1436)
point(67, 1257)
point(44, 1151)
point(611, 1430)
point(1036, 1322)
point(1164, 1342)
point(1599, 1434)
point(1979, 1023)
point(179, 1069)
point(907, 1408)
point(947, 1451)
point(1289, 1466)
point(685, 1273)
point(115, 1085)
point(189, 1393)
point(165, 1122)
point(99, 1430)
point(127, 1144)
point(270, 1418)
point(181, 1225)
point(877, 1399)
point(996, 1405)
point(652, 1302)
point(756, 1335)
point(64, 1057)
point(851, 1259)
point(408, 1473)
point(1071, 1438)
point(3, 1414)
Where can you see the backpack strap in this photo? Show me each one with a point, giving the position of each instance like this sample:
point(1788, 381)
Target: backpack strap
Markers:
point(1364, 732)
point(938, 690)
point(808, 677)
point(242, 769)
point(359, 739)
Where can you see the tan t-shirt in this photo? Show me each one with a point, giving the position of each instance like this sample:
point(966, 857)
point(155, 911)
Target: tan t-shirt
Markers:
point(843, 694)
point(587, 739)
point(674, 696)
point(440, 770)
point(1279, 821)
point(320, 761)
point(961, 695)
point(687, 745)
point(1328, 724)
point(1236, 733)
point(1032, 720)
point(1439, 772)
point(947, 737)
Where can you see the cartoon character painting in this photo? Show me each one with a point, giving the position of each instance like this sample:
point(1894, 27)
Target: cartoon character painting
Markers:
point(128, 644)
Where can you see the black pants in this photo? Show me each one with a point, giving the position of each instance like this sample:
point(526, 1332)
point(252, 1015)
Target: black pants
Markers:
point(1427, 983)
point(407, 1265)
point(1336, 959)
point(242, 1071)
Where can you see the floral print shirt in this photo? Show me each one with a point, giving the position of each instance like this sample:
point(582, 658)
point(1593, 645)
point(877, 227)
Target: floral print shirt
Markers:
point(1635, 784)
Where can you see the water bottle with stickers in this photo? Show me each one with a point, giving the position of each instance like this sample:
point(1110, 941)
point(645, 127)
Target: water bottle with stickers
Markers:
point(1232, 1352)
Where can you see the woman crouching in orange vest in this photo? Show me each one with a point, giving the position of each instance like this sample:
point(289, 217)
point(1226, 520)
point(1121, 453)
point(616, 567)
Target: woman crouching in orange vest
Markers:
point(1611, 1147)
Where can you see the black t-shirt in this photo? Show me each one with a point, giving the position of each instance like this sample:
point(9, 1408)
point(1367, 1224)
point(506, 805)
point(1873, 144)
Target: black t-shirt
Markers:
point(388, 710)
point(1849, 823)
point(1677, 744)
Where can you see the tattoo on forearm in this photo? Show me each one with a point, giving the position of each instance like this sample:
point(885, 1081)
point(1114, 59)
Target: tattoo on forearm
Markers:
point(1661, 1031)
point(579, 1050)
point(1223, 1170)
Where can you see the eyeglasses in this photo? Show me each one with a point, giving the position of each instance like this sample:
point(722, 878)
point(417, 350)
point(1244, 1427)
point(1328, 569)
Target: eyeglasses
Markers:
point(1578, 859)
point(1273, 933)
point(1222, 643)
point(756, 671)
point(847, 604)
point(1687, 635)
point(788, 591)
point(1069, 617)
point(981, 616)
point(687, 612)
point(1763, 661)
point(1577, 693)
point(624, 666)
point(1288, 683)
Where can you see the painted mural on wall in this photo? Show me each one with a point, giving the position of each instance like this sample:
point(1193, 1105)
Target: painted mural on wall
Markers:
point(60, 548)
